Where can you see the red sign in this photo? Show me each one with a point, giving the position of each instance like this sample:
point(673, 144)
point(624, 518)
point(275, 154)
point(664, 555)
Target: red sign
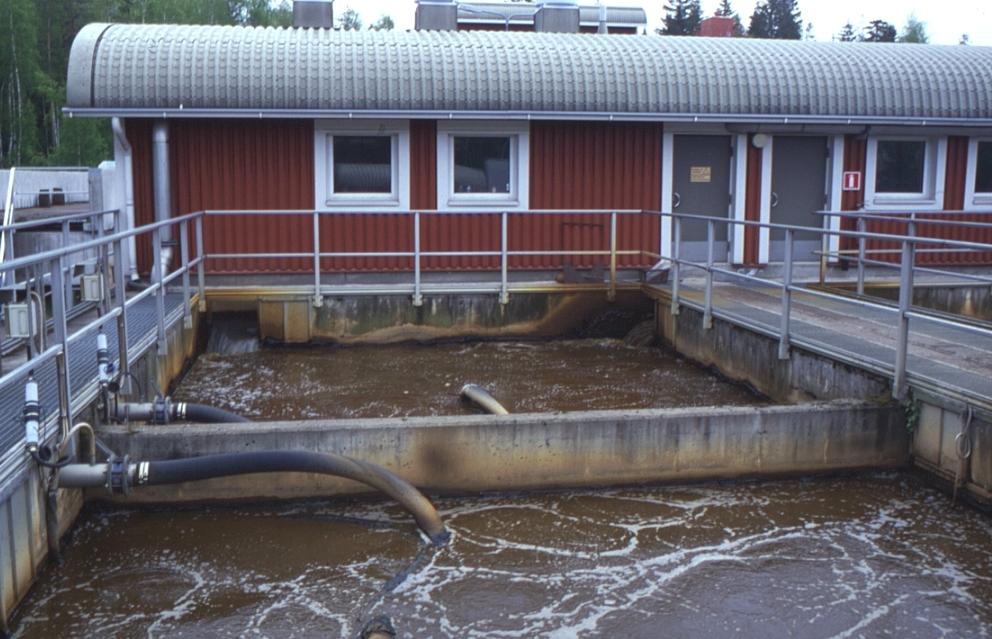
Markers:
point(852, 181)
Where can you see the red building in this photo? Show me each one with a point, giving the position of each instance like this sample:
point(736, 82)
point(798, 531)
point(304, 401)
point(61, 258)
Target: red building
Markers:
point(365, 127)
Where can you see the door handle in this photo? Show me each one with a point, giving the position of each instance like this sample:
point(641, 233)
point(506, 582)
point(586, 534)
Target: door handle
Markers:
point(676, 200)
point(774, 199)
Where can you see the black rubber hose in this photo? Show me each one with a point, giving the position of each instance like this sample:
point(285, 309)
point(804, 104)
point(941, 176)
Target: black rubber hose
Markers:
point(226, 465)
point(208, 414)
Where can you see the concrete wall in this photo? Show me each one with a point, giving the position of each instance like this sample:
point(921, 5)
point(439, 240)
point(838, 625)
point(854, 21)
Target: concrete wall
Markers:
point(536, 451)
point(968, 300)
point(382, 319)
point(747, 356)
point(936, 450)
point(27, 184)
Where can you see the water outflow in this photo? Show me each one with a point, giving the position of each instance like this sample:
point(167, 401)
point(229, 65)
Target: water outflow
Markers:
point(233, 334)
point(121, 476)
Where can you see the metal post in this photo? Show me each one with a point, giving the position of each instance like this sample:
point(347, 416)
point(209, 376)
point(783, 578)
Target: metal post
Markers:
point(612, 292)
point(105, 254)
point(184, 256)
point(504, 288)
point(824, 249)
point(861, 256)
point(708, 301)
point(62, 359)
point(65, 264)
point(158, 270)
point(121, 290)
point(317, 299)
point(676, 241)
point(783, 338)
point(905, 299)
point(418, 299)
point(201, 265)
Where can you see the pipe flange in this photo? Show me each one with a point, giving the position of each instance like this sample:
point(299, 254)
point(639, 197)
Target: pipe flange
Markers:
point(117, 478)
point(160, 410)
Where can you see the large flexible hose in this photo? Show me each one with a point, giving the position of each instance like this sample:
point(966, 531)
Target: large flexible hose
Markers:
point(225, 465)
point(481, 398)
point(208, 414)
point(163, 411)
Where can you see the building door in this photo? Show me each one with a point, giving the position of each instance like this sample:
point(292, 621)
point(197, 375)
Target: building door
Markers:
point(799, 190)
point(701, 186)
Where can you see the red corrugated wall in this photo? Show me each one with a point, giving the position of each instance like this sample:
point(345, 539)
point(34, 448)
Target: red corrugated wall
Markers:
point(954, 187)
point(586, 165)
point(752, 201)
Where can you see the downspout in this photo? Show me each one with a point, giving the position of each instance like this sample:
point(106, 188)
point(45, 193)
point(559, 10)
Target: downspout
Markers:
point(602, 18)
point(127, 174)
point(163, 189)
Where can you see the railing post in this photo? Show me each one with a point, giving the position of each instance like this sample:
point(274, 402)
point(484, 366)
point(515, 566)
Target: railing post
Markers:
point(861, 256)
point(676, 242)
point(905, 300)
point(418, 299)
point(65, 264)
point(783, 339)
point(159, 270)
point(317, 299)
point(612, 291)
point(201, 265)
point(504, 287)
point(825, 248)
point(708, 300)
point(184, 256)
point(121, 290)
point(62, 359)
point(105, 274)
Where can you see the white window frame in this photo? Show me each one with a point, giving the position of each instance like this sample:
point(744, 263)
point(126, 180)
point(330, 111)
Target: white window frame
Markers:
point(974, 201)
point(934, 168)
point(519, 195)
point(325, 197)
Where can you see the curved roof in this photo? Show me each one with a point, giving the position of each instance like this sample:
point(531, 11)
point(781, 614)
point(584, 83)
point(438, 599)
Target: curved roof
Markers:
point(199, 69)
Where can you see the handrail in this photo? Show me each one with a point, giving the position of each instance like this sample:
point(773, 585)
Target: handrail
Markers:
point(57, 219)
point(910, 218)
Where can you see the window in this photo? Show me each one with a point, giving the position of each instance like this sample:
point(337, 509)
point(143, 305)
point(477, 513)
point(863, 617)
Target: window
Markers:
point(361, 164)
point(482, 164)
point(900, 166)
point(905, 171)
point(978, 182)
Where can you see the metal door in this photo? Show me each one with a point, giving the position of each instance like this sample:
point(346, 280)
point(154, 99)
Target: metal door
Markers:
point(701, 186)
point(799, 187)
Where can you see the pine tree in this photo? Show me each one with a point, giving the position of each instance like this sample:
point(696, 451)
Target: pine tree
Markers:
point(965, 39)
point(778, 19)
point(384, 23)
point(847, 33)
point(879, 31)
point(915, 31)
point(350, 21)
point(682, 17)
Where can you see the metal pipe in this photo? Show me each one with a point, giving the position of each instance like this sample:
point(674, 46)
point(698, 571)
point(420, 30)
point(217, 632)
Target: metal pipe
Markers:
point(481, 398)
point(163, 190)
point(164, 410)
point(127, 175)
point(418, 298)
point(157, 473)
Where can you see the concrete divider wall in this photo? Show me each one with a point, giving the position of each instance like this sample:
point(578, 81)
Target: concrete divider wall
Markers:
point(535, 451)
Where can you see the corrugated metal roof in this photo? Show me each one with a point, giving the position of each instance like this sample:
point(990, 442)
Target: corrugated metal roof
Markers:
point(524, 13)
point(201, 68)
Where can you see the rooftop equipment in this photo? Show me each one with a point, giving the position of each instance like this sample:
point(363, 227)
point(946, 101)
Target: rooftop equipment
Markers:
point(436, 15)
point(313, 14)
point(557, 16)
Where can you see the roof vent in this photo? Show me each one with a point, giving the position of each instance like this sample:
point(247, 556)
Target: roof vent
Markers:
point(557, 16)
point(313, 14)
point(436, 15)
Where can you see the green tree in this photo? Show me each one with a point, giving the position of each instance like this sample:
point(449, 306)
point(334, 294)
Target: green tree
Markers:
point(965, 39)
point(384, 23)
point(778, 19)
point(682, 17)
point(350, 20)
point(879, 31)
point(726, 11)
point(22, 81)
point(915, 31)
point(847, 33)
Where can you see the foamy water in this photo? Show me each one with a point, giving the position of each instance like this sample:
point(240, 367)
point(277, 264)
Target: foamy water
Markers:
point(878, 555)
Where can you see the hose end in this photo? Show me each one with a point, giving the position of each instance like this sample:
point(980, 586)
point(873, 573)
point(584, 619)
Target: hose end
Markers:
point(441, 539)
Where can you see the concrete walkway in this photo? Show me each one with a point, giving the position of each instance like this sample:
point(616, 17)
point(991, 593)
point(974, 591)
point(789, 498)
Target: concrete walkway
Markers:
point(948, 357)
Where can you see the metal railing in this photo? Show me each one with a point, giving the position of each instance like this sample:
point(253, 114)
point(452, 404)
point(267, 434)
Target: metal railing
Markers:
point(903, 312)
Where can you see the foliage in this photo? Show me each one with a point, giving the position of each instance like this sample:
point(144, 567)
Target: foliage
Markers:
point(778, 19)
point(879, 31)
point(682, 17)
point(384, 23)
point(847, 33)
point(965, 39)
point(34, 55)
point(350, 20)
point(915, 31)
point(725, 11)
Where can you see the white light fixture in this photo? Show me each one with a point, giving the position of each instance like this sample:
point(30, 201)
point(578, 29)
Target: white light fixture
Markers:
point(760, 140)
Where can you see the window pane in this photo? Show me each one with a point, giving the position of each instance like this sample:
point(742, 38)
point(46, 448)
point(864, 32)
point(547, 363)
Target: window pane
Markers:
point(900, 166)
point(482, 165)
point(983, 173)
point(363, 164)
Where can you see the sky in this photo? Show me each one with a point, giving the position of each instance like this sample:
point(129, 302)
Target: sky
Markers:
point(946, 20)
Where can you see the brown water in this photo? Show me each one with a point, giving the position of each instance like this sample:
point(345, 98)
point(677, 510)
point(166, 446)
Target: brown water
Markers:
point(400, 380)
point(875, 555)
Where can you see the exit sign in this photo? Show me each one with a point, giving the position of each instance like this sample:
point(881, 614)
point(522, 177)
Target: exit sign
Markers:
point(852, 181)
